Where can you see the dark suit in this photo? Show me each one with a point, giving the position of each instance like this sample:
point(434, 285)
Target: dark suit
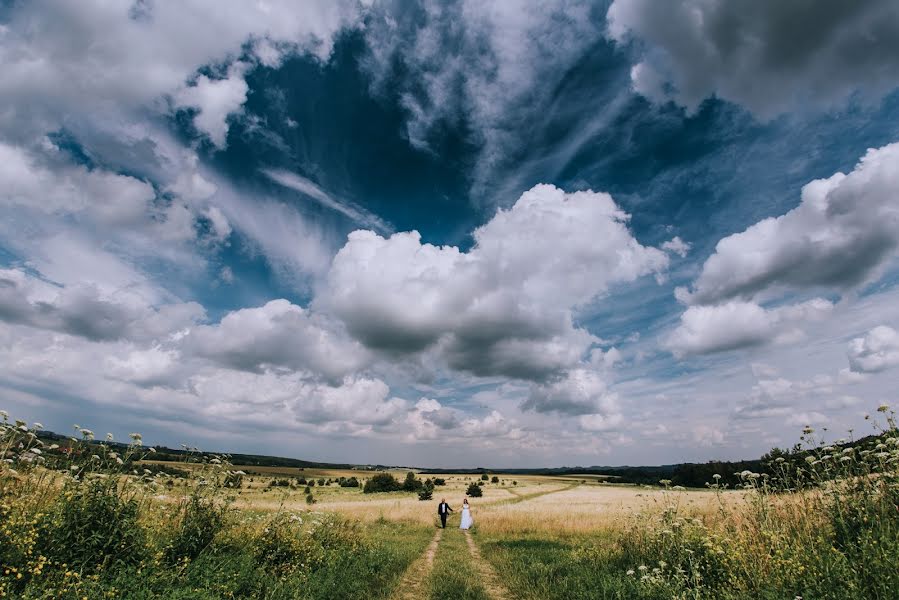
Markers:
point(443, 510)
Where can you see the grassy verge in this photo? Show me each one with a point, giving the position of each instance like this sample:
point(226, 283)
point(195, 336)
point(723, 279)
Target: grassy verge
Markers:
point(454, 576)
point(562, 567)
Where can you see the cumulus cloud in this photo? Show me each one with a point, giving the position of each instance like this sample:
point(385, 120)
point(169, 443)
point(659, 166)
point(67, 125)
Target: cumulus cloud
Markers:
point(214, 101)
point(736, 324)
point(580, 392)
point(768, 56)
point(505, 306)
point(93, 197)
point(877, 351)
point(430, 420)
point(842, 234)
point(86, 311)
point(278, 334)
point(53, 67)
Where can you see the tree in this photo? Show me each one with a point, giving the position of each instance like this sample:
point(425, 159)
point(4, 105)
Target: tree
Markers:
point(474, 491)
point(382, 482)
point(412, 484)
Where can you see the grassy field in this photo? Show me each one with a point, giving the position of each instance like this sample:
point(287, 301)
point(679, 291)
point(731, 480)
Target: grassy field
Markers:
point(92, 521)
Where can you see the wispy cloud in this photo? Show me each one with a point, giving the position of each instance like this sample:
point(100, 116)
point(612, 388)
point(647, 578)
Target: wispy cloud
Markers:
point(344, 207)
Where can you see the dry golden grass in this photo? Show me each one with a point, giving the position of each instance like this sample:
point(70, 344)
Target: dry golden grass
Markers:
point(536, 504)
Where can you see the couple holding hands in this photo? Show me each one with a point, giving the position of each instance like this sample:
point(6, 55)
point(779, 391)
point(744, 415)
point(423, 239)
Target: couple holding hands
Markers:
point(443, 509)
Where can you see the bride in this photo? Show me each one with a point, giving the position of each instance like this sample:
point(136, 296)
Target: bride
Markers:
point(466, 515)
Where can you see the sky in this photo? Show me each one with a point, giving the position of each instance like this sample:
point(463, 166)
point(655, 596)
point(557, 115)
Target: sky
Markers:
point(451, 234)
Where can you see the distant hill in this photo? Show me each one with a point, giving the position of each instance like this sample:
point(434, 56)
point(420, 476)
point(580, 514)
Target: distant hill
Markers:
point(684, 474)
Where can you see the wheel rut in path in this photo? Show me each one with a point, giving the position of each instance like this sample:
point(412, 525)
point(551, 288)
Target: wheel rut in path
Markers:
point(493, 585)
point(412, 585)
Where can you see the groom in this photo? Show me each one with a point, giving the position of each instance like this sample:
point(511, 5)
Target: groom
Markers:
point(443, 510)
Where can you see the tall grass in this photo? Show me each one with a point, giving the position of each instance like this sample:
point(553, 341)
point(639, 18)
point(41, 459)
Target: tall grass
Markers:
point(83, 519)
point(824, 526)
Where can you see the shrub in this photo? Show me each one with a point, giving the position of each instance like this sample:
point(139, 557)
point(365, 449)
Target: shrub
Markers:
point(494, 479)
point(288, 545)
point(474, 491)
point(94, 524)
point(348, 482)
point(439, 481)
point(201, 520)
point(382, 482)
point(484, 477)
point(310, 499)
point(411, 484)
point(308, 490)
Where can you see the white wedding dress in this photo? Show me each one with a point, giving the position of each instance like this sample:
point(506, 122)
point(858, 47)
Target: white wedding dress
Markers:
point(466, 518)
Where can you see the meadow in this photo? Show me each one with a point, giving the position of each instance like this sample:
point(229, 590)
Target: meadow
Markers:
point(91, 519)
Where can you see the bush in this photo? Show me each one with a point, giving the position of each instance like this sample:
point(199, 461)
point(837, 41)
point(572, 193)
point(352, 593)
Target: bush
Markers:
point(92, 526)
point(382, 482)
point(348, 482)
point(411, 484)
point(439, 481)
point(310, 499)
point(484, 477)
point(474, 491)
point(494, 479)
point(201, 520)
point(287, 545)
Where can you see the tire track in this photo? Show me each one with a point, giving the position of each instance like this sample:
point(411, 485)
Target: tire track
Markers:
point(491, 581)
point(412, 584)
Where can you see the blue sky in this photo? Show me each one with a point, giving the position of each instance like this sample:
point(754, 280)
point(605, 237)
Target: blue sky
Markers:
point(452, 234)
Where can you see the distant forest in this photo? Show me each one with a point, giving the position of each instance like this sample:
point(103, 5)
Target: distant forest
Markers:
point(692, 475)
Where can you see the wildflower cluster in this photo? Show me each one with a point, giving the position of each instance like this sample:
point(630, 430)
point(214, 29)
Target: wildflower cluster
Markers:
point(823, 517)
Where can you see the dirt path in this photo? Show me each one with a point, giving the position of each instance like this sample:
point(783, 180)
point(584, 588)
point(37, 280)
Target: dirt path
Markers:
point(412, 585)
point(519, 497)
point(493, 585)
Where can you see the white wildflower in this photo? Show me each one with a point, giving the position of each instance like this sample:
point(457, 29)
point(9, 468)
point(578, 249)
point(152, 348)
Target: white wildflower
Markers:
point(38, 425)
point(884, 407)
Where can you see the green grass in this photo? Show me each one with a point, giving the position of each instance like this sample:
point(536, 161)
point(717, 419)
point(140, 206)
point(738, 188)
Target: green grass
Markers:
point(454, 576)
point(560, 568)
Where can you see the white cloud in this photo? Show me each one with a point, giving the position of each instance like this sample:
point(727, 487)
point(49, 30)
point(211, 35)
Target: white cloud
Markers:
point(676, 246)
point(842, 234)
point(807, 418)
point(505, 306)
point(86, 311)
point(580, 392)
point(300, 184)
point(215, 100)
point(54, 66)
point(734, 324)
point(278, 334)
point(877, 351)
point(768, 55)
